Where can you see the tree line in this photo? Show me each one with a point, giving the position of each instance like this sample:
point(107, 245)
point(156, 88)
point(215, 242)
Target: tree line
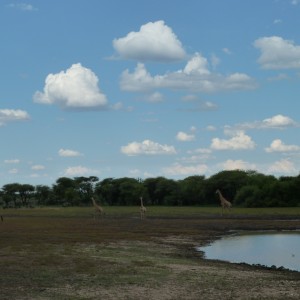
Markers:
point(242, 188)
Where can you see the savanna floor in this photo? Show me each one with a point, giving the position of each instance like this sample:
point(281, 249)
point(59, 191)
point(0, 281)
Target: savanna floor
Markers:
point(64, 253)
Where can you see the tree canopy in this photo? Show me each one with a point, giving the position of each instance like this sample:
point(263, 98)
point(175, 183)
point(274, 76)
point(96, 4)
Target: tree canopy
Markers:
point(242, 188)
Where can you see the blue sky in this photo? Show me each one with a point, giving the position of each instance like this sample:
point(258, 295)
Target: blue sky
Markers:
point(148, 88)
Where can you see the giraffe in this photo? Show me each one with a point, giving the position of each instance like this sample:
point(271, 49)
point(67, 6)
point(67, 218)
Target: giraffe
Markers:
point(224, 203)
point(98, 208)
point(143, 209)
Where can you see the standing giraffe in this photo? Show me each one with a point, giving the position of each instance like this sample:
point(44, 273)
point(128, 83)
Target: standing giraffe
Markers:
point(224, 203)
point(142, 209)
point(98, 208)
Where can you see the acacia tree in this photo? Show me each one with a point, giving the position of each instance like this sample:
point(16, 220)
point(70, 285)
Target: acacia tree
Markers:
point(18, 194)
point(85, 187)
point(25, 192)
point(10, 196)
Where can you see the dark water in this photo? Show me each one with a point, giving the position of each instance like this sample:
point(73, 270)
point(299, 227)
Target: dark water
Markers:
point(280, 249)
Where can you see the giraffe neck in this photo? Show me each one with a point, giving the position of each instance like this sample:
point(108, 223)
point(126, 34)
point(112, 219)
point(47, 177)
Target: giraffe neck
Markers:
point(222, 199)
point(94, 202)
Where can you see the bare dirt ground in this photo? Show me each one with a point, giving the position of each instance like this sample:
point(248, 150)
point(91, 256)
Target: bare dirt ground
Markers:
point(126, 258)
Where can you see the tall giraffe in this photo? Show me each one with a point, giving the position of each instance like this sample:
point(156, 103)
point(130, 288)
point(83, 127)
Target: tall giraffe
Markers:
point(98, 209)
point(224, 203)
point(143, 209)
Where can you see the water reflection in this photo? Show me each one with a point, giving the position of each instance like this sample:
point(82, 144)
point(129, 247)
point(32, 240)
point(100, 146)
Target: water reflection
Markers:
point(265, 248)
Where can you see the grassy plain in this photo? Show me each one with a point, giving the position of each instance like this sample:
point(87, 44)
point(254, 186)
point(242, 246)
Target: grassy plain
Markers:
point(64, 253)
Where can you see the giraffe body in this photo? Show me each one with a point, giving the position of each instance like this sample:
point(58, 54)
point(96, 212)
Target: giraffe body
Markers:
point(98, 209)
point(224, 202)
point(143, 209)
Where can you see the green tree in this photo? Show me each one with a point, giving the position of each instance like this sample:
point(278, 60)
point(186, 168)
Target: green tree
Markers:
point(43, 194)
point(192, 190)
point(249, 196)
point(228, 182)
point(106, 191)
point(85, 187)
point(26, 192)
point(130, 190)
point(64, 191)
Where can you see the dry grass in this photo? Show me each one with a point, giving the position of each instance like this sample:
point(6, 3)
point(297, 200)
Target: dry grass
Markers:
point(66, 254)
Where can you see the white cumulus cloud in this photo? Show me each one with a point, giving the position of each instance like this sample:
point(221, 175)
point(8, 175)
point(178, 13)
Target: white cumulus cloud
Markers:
point(12, 115)
point(147, 147)
point(237, 165)
point(155, 41)
point(197, 65)
point(240, 141)
point(278, 146)
point(275, 122)
point(75, 88)
point(68, 153)
point(278, 121)
point(185, 137)
point(278, 53)
point(284, 166)
point(194, 77)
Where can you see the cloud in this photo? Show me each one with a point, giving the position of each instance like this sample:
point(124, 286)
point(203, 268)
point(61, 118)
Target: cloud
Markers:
point(185, 137)
point(227, 51)
point(200, 105)
point(154, 42)
point(11, 161)
point(277, 53)
point(12, 115)
point(194, 77)
point(200, 151)
point(78, 171)
point(240, 141)
point(215, 61)
point(283, 166)
point(38, 167)
point(275, 122)
point(147, 147)
point(197, 65)
point(237, 165)
point(210, 128)
point(75, 88)
point(68, 153)
point(278, 146)
point(279, 77)
point(278, 121)
point(22, 6)
point(155, 97)
point(13, 171)
point(181, 170)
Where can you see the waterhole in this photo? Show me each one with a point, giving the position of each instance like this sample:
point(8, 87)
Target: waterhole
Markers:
point(279, 249)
